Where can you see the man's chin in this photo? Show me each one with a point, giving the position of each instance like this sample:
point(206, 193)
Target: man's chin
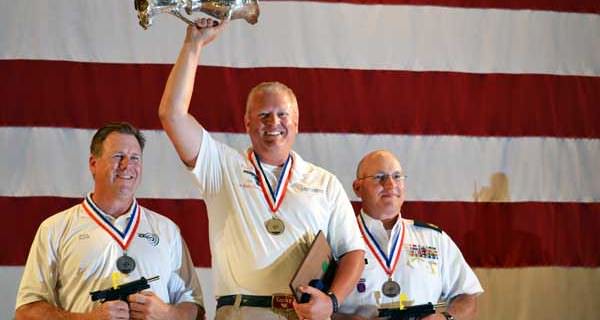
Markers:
point(389, 201)
point(272, 147)
point(274, 142)
point(389, 207)
point(127, 190)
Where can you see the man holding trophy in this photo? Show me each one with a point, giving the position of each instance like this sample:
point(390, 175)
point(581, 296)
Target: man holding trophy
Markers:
point(265, 204)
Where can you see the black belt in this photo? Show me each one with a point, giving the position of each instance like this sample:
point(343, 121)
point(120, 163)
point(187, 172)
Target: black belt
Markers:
point(250, 301)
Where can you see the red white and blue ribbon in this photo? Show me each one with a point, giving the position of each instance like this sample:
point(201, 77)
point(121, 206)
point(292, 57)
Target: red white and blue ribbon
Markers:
point(122, 238)
point(388, 263)
point(273, 196)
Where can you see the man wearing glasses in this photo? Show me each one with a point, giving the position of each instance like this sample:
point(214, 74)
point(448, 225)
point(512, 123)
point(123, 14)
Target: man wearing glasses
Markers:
point(408, 262)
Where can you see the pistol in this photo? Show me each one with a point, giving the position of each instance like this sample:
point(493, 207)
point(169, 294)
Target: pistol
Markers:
point(409, 313)
point(123, 291)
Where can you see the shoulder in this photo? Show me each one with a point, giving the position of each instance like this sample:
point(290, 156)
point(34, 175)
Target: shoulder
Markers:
point(427, 225)
point(54, 227)
point(314, 172)
point(159, 219)
point(308, 167)
point(62, 218)
point(217, 145)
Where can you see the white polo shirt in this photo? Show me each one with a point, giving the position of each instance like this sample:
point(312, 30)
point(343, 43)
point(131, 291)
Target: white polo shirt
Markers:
point(246, 259)
point(430, 268)
point(72, 255)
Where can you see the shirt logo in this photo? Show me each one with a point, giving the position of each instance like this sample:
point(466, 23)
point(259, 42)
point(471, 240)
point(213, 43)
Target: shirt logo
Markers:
point(302, 188)
point(361, 286)
point(151, 237)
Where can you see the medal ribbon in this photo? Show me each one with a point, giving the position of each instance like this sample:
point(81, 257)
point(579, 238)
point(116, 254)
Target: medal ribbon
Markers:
point(122, 238)
point(275, 197)
point(387, 263)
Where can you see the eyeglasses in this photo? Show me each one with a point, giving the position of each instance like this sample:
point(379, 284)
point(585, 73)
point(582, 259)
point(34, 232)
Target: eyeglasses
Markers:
point(382, 177)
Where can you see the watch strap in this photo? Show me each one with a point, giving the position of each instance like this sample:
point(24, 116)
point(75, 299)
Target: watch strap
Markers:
point(334, 301)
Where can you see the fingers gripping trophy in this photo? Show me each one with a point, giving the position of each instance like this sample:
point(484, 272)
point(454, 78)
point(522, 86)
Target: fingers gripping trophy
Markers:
point(219, 9)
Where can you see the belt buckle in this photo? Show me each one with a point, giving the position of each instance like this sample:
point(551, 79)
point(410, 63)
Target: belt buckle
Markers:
point(282, 301)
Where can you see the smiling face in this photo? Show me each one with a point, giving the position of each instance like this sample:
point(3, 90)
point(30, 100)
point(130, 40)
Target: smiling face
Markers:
point(117, 169)
point(271, 120)
point(382, 198)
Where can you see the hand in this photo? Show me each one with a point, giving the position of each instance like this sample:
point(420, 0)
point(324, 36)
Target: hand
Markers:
point(147, 305)
point(319, 307)
point(339, 316)
point(204, 31)
point(435, 316)
point(110, 310)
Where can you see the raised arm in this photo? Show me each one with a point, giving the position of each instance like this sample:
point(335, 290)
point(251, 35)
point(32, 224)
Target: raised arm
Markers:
point(181, 127)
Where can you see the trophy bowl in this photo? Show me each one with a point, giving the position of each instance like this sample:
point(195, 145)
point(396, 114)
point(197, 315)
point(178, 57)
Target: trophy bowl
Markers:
point(219, 9)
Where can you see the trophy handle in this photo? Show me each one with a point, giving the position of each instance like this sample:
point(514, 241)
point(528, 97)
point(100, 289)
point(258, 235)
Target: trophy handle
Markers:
point(178, 14)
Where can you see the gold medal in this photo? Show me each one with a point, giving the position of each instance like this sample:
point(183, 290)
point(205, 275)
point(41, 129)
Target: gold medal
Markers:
point(273, 196)
point(275, 226)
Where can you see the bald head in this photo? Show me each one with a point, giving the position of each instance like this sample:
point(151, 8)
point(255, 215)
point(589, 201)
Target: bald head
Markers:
point(381, 155)
point(379, 184)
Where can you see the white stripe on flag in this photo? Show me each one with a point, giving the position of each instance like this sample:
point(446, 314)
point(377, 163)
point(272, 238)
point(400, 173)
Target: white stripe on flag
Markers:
point(53, 161)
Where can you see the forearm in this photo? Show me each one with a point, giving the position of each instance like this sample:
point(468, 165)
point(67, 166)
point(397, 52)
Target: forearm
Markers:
point(180, 84)
point(186, 311)
point(181, 127)
point(350, 268)
point(44, 310)
point(463, 307)
point(201, 313)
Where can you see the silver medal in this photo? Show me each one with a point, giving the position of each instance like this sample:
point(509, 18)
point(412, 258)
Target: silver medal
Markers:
point(390, 288)
point(125, 264)
point(275, 226)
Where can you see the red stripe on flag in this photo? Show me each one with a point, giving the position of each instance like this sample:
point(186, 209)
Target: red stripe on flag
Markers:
point(189, 215)
point(489, 234)
point(592, 6)
point(518, 234)
point(87, 95)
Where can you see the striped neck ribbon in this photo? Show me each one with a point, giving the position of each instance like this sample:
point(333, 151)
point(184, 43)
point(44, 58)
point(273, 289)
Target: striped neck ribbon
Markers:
point(122, 238)
point(273, 196)
point(388, 263)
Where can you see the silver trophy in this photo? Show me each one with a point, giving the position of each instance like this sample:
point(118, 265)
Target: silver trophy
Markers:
point(220, 9)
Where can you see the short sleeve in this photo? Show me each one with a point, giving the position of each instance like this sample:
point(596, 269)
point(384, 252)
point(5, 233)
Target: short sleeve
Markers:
point(457, 276)
point(344, 235)
point(183, 285)
point(40, 273)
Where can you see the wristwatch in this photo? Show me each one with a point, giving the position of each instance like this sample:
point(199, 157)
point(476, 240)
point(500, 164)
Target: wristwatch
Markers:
point(448, 316)
point(334, 301)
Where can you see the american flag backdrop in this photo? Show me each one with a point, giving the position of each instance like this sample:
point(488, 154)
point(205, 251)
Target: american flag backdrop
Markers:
point(492, 106)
